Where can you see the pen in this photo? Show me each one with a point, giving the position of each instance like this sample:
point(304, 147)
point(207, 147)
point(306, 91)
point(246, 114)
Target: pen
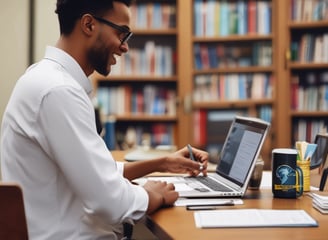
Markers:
point(209, 206)
point(190, 153)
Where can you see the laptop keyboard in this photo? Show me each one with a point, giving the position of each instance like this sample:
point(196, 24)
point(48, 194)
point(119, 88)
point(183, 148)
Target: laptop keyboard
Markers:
point(214, 185)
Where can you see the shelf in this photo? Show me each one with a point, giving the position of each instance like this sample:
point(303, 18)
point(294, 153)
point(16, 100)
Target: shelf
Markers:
point(309, 114)
point(154, 32)
point(144, 118)
point(310, 25)
point(309, 66)
point(303, 38)
point(232, 104)
point(256, 69)
point(232, 38)
point(236, 60)
point(143, 86)
point(130, 78)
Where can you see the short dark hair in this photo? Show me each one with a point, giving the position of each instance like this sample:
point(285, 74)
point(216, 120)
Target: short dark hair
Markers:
point(69, 11)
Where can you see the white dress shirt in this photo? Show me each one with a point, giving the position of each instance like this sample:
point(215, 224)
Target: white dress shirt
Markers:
point(73, 189)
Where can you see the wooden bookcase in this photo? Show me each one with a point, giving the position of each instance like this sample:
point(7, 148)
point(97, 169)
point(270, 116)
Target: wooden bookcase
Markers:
point(233, 43)
point(306, 70)
point(142, 86)
point(184, 39)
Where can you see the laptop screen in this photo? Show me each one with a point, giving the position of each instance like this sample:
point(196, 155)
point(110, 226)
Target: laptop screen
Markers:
point(240, 149)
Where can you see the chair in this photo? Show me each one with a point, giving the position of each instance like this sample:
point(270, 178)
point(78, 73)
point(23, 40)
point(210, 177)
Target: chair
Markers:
point(318, 159)
point(323, 179)
point(13, 224)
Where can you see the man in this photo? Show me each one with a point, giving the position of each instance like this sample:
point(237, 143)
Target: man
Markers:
point(73, 189)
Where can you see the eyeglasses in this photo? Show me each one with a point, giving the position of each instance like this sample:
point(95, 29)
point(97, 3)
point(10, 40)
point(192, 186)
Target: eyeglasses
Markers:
point(124, 30)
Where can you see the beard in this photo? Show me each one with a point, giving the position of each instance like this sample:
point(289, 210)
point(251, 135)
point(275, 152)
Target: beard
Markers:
point(98, 57)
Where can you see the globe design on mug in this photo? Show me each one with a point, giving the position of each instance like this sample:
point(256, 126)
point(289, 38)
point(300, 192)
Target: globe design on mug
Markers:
point(283, 172)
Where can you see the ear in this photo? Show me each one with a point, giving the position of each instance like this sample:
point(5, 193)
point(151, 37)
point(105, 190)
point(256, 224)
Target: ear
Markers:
point(87, 24)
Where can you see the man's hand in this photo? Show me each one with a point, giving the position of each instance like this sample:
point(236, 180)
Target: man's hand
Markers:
point(160, 194)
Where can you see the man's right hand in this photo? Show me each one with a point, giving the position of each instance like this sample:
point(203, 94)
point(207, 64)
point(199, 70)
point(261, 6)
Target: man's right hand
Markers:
point(160, 194)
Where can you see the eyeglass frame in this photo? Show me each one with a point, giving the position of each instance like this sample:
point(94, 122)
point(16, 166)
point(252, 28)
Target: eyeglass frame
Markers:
point(122, 29)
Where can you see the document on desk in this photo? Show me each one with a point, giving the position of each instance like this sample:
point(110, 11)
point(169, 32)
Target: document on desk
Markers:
point(231, 218)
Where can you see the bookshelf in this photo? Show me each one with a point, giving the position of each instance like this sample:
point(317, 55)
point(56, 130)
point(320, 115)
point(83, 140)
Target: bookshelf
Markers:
point(138, 100)
point(264, 56)
point(307, 69)
point(233, 70)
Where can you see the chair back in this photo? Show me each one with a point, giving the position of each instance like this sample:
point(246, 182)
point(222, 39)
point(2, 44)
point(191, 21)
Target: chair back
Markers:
point(318, 159)
point(13, 224)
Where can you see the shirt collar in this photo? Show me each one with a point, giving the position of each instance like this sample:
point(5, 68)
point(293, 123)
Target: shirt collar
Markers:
point(71, 66)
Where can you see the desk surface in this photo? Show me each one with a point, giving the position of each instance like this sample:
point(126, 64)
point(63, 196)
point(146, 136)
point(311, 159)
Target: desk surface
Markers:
point(178, 223)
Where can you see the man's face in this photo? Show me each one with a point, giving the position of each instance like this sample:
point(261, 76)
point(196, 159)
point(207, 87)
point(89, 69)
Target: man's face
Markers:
point(109, 39)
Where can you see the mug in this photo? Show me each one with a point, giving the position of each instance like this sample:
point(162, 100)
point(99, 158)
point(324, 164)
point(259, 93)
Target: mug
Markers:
point(287, 177)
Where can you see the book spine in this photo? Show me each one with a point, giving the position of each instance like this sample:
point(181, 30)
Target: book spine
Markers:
point(109, 137)
point(251, 13)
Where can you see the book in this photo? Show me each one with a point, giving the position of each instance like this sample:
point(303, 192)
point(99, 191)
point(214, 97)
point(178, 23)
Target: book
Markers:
point(232, 218)
point(242, 17)
point(233, 18)
point(210, 17)
point(323, 91)
point(197, 57)
point(224, 18)
point(294, 91)
point(199, 118)
point(217, 18)
point(252, 16)
point(204, 55)
point(213, 60)
point(198, 26)
point(307, 11)
point(109, 137)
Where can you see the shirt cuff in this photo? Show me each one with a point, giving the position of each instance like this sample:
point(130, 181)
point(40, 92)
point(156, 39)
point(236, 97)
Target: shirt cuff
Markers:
point(120, 167)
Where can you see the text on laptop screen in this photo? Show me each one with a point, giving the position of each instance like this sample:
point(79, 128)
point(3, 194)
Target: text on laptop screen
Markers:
point(240, 150)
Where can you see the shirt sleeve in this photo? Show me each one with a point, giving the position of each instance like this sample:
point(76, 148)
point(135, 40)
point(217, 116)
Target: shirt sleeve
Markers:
point(120, 167)
point(67, 119)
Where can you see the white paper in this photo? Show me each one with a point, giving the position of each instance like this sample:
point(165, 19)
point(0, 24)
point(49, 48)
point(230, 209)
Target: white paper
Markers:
point(259, 218)
point(320, 202)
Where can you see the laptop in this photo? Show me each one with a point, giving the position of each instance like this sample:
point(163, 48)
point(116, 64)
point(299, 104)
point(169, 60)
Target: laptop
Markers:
point(236, 163)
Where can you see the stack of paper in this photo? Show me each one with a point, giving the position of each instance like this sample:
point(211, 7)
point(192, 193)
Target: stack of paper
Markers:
point(320, 203)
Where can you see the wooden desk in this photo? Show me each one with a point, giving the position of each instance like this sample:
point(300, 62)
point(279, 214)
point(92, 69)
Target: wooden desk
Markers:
point(178, 223)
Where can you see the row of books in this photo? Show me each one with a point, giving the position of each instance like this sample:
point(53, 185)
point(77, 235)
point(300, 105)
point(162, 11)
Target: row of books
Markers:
point(124, 99)
point(152, 59)
point(309, 91)
point(309, 10)
point(223, 17)
point(219, 55)
point(212, 126)
point(123, 137)
point(307, 129)
point(228, 87)
point(310, 48)
point(153, 15)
